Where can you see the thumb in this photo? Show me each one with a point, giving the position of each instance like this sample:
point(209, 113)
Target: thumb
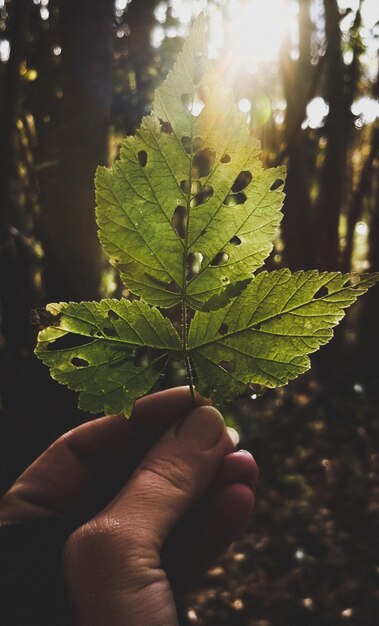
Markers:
point(171, 478)
point(112, 563)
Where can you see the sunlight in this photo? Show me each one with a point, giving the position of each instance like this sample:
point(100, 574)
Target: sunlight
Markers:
point(317, 110)
point(251, 31)
point(366, 109)
point(256, 30)
point(5, 50)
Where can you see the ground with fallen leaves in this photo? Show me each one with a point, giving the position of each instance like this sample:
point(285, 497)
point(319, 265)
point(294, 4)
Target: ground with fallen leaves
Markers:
point(310, 556)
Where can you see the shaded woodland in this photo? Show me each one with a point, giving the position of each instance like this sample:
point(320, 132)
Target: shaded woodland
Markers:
point(75, 77)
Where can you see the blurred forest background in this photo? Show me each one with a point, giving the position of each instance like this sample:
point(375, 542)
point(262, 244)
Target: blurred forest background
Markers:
point(75, 77)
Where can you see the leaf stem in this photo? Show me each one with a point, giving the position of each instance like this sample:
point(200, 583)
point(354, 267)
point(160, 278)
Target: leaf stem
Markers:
point(185, 353)
point(187, 360)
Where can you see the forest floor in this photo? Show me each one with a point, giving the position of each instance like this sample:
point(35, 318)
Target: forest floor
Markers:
point(310, 556)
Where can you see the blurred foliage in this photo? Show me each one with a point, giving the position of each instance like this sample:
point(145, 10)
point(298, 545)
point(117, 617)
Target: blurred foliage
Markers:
point(309, 556)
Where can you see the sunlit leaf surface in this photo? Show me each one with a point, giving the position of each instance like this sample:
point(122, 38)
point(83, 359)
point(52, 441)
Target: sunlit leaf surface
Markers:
point(187, 214)
point(188, 208)
point(112, 351)
point(265, 335)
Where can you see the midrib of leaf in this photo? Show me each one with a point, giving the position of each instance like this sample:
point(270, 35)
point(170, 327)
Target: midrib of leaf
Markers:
point(270, 317)
point(185, 262)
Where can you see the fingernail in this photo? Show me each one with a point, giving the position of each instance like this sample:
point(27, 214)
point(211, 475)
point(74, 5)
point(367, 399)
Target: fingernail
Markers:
point(234, 435)
point(245, 452)
point(203, 428)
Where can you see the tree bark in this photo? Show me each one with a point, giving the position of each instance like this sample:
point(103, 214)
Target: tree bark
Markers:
point(76, 144)
point(339, 92)
point(16, 284)
point(298, 82)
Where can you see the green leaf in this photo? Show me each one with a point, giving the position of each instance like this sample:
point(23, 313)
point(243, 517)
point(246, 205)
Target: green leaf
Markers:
point(188, 208)
point(112, 351)
point(265, 335)
point(187, 214)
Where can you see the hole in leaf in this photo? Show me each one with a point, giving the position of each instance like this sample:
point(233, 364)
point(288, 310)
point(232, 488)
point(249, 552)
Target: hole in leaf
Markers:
point(186, 143)
point(202, 196)
point(220, 259)
point(197, 107)
point(229, 292)
point(235, 241)
point(203, 162)
point(165, 127)
point(112, 315)
point(223, 329)
point(190, 190)
point(120, 359)
point(185, 186)
point(323, 291)
point(179, 221)
point(233, 199)
point(78, 362)
point(194, 261)
point(243, 180)
point(186, 101)
point(71, 340)
point(109, 332)
point(197, 144)
point(256, 391)
point(143, 357)
point(225, 158)
point(199, 100)
point(229, 366)
point(256, 326)
point(276, 184)
point(193, 146)
point(202, 93)
point(172, 286)
point(142, 158)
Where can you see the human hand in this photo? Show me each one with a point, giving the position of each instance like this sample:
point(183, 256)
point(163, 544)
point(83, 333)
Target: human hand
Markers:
point(152, 506)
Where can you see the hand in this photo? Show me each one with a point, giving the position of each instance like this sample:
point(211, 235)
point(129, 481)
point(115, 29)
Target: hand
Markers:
point(153, 500)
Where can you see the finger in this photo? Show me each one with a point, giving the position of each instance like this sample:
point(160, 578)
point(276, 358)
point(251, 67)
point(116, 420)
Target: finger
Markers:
point(84, 468)
point(221, 517)
point(170, 479)
point(237, 467)
point(127, 536)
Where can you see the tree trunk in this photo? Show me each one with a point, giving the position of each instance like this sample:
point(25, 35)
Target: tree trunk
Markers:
point(76, 144)
point(363, 192)
point(368, 353)
point(16, 283)
point(299, 84)
point(339, 89)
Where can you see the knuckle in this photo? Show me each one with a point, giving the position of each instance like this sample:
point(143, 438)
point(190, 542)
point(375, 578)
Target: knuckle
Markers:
point(172, 471)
